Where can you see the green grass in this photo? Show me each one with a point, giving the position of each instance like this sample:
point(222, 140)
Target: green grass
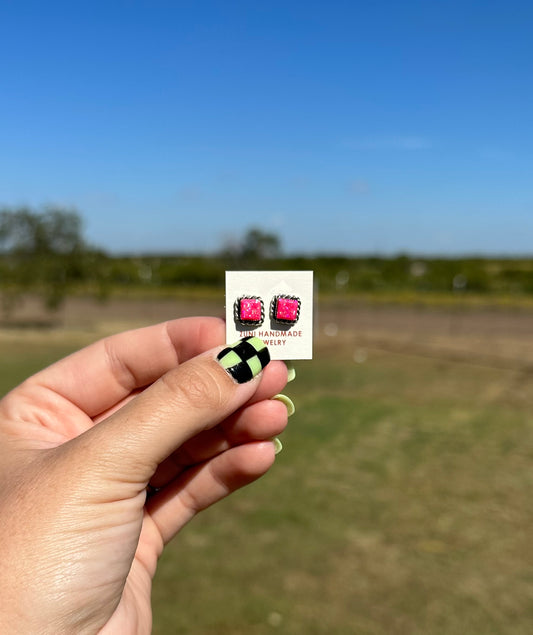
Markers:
point(401, 503)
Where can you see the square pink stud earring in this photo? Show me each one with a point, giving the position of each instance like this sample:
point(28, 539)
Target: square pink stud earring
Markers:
point(285, 309)
point(249, 310)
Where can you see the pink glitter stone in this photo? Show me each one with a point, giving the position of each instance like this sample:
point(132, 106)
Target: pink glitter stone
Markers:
point(287, 309)
point(250, 310)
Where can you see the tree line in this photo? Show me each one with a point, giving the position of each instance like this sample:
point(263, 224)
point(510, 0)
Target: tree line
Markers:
point(44, 252)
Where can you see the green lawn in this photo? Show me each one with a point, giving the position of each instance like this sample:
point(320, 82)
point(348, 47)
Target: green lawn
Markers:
point(401, 503)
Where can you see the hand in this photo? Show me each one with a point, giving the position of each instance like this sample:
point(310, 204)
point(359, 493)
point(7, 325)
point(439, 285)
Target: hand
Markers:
point(81, 441)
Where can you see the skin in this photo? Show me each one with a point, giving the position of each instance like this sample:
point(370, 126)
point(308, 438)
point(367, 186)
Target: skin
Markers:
point(79, 444)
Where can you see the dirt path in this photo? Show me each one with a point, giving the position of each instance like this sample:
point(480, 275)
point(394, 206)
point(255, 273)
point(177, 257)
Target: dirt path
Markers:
point(497, 337)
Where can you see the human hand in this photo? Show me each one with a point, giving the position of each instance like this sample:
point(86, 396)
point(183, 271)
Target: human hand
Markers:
point(82, 440)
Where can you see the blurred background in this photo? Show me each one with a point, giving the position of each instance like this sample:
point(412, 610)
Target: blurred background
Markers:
point(147, 147)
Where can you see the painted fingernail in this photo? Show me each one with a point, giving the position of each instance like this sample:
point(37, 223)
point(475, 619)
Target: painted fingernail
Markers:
point(245, 359)
point(288, 403)
point(278, 445)
point(291, 371)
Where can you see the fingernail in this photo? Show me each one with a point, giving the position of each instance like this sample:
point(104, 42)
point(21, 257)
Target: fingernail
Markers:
point(278, 445)
point(245, 359)
point(291, 371)
point(288, 402)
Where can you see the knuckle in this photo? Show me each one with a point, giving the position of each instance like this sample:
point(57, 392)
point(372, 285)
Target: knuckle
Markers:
point(197, 387)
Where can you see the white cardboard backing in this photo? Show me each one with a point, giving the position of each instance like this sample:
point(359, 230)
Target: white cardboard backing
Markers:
point(284, 341)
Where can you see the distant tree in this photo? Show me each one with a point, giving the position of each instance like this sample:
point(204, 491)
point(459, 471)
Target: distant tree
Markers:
point(253, 246)
point(29, 234)
point(260, 245)
point(42, 252)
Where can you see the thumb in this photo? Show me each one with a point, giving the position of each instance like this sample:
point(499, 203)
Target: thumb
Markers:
point(197, 395)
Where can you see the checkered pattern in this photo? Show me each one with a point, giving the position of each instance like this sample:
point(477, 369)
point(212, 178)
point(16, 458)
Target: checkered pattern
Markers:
point(244, 359)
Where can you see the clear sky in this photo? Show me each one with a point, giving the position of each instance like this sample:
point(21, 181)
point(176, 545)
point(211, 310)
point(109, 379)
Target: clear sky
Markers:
point(347, 126)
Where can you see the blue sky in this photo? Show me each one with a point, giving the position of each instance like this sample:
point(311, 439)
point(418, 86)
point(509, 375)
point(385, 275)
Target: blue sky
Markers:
point(348, 126)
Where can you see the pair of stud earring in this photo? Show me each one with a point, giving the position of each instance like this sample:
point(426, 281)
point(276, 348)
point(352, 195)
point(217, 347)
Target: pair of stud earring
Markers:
point(249, 310)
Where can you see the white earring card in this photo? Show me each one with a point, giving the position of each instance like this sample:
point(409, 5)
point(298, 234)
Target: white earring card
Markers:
point(276, 306)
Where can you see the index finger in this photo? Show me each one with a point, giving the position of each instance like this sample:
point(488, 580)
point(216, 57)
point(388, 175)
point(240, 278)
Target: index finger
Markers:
point(98, 376)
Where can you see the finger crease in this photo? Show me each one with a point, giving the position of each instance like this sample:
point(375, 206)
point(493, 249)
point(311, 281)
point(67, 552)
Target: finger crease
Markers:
point(120, 370)
point(172, 347)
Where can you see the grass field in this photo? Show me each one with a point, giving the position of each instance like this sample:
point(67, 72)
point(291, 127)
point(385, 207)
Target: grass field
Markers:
point(401, 502)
